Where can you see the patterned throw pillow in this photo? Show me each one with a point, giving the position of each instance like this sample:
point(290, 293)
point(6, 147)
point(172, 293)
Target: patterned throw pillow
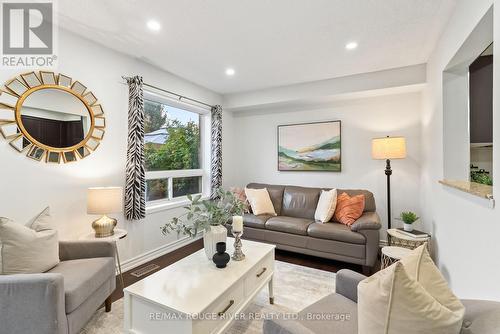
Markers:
point(349, 209)
point(239, 193)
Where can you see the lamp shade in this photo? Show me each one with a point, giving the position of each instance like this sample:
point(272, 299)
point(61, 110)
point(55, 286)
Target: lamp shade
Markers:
point(101, 201)
point(389, 148)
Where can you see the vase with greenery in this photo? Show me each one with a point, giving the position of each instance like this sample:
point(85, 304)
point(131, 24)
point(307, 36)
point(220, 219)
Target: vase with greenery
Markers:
point(408, 219)
point(208, 216)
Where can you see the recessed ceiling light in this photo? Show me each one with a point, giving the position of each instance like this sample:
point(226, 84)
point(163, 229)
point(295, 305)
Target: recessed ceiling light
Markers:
point(351, 45)
point(153, 25)
point(230, 72)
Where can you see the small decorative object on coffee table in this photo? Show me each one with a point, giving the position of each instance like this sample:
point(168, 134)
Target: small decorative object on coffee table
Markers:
point(237, 230)
point(221, 258)
point(208, 216)
point(411, 240)
point(408, 219)
point(392, 254)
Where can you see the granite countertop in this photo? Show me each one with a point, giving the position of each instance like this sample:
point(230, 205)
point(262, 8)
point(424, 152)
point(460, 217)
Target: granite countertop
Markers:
point(477, 189)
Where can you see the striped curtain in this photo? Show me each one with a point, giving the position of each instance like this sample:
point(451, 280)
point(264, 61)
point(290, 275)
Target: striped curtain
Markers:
point(216, 148)
point(135, 189)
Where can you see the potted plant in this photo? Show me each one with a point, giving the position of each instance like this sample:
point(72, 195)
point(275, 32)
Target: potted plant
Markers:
point(408, 219)
point(208, 216)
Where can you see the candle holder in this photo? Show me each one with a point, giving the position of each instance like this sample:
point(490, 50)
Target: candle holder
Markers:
point(238, 253)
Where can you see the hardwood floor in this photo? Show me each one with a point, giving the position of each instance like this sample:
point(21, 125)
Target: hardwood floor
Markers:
point(168, 259)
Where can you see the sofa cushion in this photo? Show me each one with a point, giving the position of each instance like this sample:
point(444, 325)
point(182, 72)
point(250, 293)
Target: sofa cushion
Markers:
point(275, 192)
point(481, 317)
point(390, 301)
point(252, 220)
point(335, 231)
point(83, 277)
point(28, 248)
point(369, 199)
point(300, 202)
point(289, 224)
point(342, 310)
point(260, 201)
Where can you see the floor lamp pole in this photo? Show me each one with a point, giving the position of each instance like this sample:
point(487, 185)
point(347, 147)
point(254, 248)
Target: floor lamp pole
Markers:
point(388, 172)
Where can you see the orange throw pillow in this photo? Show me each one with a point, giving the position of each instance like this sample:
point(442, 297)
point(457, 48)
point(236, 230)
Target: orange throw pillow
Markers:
point(349, 209)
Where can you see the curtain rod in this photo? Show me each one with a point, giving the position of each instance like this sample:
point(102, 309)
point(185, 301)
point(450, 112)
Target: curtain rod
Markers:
point(175, 94)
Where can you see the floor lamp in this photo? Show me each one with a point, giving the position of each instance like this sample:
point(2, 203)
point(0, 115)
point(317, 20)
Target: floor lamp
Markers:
point(388, 148)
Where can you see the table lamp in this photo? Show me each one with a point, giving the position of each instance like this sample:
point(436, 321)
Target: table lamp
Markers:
point(388, 148)
point(103, 201)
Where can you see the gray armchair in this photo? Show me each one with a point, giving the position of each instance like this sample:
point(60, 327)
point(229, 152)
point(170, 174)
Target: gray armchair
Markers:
point(480, 315)
point(63, 299)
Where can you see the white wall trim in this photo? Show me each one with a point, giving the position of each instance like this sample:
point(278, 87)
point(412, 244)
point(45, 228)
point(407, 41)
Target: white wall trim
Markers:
point(157, 252)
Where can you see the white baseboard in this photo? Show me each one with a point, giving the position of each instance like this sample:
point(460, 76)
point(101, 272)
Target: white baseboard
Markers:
point(155, 253)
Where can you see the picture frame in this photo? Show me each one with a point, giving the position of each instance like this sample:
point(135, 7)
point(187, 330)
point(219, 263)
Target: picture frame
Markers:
point(311, 147)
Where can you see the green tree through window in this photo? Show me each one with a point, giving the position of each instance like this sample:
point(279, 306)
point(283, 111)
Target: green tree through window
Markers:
point(172, 142)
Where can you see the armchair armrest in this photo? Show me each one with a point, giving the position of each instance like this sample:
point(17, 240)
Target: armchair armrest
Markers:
point(72, 250)
point(347, 283)
point(32, 303)
point(367, 221)
point(280, 326)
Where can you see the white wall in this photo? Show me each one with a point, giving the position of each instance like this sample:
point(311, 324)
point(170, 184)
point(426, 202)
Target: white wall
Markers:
point(254, 148)
point(465, 230)
point(27, 186)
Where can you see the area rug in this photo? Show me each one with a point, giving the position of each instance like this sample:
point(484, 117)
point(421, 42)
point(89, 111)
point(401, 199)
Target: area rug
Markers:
point(295, 287)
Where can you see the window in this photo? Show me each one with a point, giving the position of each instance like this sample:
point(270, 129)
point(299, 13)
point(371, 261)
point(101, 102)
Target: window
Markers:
point(173, 149)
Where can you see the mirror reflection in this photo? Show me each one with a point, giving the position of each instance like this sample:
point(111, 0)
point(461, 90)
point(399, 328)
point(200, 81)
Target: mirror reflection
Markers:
point(55, 118)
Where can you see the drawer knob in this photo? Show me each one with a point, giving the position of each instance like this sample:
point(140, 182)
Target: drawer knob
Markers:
point(221, 313)
point(262, 272)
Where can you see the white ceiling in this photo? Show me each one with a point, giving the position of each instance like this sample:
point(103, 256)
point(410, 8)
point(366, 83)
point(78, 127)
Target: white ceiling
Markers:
point(268, 42)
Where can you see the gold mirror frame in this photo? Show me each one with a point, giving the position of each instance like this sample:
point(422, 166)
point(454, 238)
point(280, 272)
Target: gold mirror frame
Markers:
point(12, 98)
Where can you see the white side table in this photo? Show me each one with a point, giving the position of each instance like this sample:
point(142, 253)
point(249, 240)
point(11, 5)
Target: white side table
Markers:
point(396, 238)
point(118, 235)
point(392, 254)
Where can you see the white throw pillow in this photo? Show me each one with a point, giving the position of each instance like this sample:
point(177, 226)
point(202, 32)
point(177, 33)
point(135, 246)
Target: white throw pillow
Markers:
point(260, 201)
point(326, 206)
point(420, 267)
point(30, 248)
point(392, 302)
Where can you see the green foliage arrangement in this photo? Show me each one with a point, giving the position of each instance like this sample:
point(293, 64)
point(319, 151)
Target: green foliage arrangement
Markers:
point(480, 176)
point(408, 217)
point(201, 214)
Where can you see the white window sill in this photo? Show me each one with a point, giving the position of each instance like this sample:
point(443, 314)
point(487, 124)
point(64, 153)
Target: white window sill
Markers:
point(159, 206)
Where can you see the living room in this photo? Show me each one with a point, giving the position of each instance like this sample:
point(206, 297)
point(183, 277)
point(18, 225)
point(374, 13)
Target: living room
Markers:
point(270, 163)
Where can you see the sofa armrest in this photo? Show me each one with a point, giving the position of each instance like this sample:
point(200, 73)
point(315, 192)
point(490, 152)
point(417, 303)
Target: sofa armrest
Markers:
point(347, 283)
point(73, 250)
point(281, 326)
point(367, 221)
point(32, 303)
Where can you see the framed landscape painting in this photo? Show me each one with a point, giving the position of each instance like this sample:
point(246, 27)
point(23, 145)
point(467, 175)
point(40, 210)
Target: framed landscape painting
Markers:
point(310, 147)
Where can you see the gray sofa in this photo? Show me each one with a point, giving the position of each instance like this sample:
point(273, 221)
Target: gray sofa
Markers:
point(63, 299)
point(481, 317)
point(294, 229)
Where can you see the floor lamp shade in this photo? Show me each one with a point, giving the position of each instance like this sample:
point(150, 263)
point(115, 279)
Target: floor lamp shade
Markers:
point(389, 148)
point(103, 201)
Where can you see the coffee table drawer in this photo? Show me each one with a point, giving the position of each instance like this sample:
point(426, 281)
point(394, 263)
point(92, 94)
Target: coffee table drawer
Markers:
point(221, 311)
point(259, 274)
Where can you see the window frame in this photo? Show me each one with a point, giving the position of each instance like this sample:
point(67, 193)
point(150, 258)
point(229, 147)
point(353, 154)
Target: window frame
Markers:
point(204, 156)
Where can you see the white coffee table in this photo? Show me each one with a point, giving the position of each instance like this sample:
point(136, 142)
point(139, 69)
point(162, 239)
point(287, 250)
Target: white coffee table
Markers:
point(193, 296)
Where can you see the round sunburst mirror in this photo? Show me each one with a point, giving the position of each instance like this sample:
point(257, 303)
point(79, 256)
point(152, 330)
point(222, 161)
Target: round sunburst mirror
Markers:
point(50, 117)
